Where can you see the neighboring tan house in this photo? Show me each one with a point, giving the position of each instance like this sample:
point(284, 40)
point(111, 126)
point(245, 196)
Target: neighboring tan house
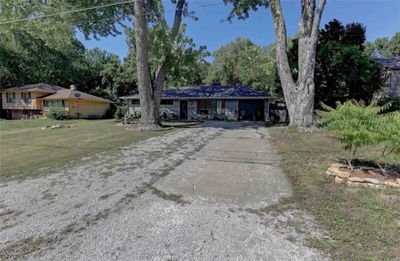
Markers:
point(392, 71)
point(34, 101)
point(209, 102)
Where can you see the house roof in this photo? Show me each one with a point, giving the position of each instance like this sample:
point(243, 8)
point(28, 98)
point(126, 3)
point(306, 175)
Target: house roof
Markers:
point(39, 87)
point(68, 94)
point(392, 63)
point(209, 92)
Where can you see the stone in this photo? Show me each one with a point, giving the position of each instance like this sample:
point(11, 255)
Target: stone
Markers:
point(335, 168)
point(398, 181)
point(392, 184)
point(353, 184)
point(343, 174)
point(357, 179)
point(45, 127)
point(329, 173)
point(370, 185)
point(339, 180)
point(373, 181)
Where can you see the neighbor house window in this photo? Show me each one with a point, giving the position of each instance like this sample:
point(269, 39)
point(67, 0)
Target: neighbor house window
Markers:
point(54, 103)
point(26, 97)
point(135, 102)
point(207, 106)
point(10, 97)
point(167, 102)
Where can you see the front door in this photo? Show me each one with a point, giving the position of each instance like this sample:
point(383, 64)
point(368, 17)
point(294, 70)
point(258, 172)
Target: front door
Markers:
point(184, 110)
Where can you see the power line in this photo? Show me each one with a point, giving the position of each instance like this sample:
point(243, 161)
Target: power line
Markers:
point(91, 8)
point(65, 12)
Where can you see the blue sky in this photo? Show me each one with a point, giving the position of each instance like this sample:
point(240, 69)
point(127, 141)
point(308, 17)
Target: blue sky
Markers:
point(381, 17)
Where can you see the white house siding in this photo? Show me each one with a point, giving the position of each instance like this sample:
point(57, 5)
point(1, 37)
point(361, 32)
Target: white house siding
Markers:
point(231, 109)
point(172, 109)
point(394, 83)
point(132, 108)
point(192, 109)
point(266, 110)
point(219, 106)
point(169, 109)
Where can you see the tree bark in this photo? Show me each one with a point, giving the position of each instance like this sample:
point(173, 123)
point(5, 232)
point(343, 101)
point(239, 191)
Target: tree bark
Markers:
point(150, 94)
point(149, 116)
point(299, 96)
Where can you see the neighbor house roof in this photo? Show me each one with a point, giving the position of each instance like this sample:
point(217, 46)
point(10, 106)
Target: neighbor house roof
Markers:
point(392, 63)
point(209, 92)
point(69, 94)
point(39, 87)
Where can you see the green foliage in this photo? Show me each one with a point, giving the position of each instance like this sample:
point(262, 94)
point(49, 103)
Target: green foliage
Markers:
point(120, 112)
point(394, 101)
point(244, 63)
point(56, 113)
point(242, 8)
point(343, 71)
point(385, 46)
point(184, 62)
point(389, 133)
point(355, 125)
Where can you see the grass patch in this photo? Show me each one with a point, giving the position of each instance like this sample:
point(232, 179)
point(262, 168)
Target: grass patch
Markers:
point(180, 123)
point(21, 248)
point(363, 223)
point(167, 196)
point(28, 151)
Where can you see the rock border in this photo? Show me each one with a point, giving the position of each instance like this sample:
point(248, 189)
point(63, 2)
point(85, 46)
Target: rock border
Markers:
point(57, 126)
point(344, 177)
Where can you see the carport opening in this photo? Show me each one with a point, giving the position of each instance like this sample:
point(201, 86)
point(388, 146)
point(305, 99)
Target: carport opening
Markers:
point(251, 110)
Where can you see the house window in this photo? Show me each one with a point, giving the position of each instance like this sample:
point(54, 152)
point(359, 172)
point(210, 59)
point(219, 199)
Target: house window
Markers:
point(207, 106)
point(26, 97)
point(10, 97)
point(167, 102)
point(56, 103)
point(135, 102)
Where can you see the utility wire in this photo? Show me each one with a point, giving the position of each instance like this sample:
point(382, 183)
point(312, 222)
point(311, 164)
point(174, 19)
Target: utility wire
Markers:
point(4, 22)
point(65, 12)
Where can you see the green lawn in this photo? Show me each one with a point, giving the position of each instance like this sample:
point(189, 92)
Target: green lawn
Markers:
point(27, 150)
point(364, 223)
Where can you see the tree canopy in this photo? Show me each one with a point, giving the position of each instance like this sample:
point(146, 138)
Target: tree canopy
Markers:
point(242, 62)
point(387, 47)
point(343, 70)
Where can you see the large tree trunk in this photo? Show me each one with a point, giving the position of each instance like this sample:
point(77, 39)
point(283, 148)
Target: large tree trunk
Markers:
point(150, 94)
point(299, 96)
point(150, 118)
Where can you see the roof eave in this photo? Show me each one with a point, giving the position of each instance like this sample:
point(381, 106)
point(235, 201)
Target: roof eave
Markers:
point(204, 98)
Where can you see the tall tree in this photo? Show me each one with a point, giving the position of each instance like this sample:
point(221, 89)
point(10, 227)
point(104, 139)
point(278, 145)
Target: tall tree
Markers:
point(150, 89)
point(242, 62)
point(185, 65)
point(343, 70)
point(299, 95)
point(384, 46)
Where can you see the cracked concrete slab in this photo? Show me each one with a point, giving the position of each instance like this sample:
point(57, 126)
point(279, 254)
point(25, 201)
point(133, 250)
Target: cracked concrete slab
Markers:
point(237, 167)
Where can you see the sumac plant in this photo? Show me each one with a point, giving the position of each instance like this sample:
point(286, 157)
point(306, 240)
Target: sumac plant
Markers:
point(389, 135)
point(355, 125)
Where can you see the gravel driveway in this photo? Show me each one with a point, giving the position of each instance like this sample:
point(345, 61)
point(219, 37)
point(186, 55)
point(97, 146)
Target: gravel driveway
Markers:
point(194, 194)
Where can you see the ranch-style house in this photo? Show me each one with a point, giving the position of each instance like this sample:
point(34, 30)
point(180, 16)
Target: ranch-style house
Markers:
point(209, 102)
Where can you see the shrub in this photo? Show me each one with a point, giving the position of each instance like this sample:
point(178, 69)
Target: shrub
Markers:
point(389, 135)
point(56, 113)
point(110, 111)
point(120, 112)
point(356, 125)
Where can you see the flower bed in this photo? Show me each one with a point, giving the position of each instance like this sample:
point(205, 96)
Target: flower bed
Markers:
point(360, 177)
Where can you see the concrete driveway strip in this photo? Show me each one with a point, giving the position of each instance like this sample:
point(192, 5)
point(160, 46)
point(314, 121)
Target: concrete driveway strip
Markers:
point(238, 167)
point(193, 194)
